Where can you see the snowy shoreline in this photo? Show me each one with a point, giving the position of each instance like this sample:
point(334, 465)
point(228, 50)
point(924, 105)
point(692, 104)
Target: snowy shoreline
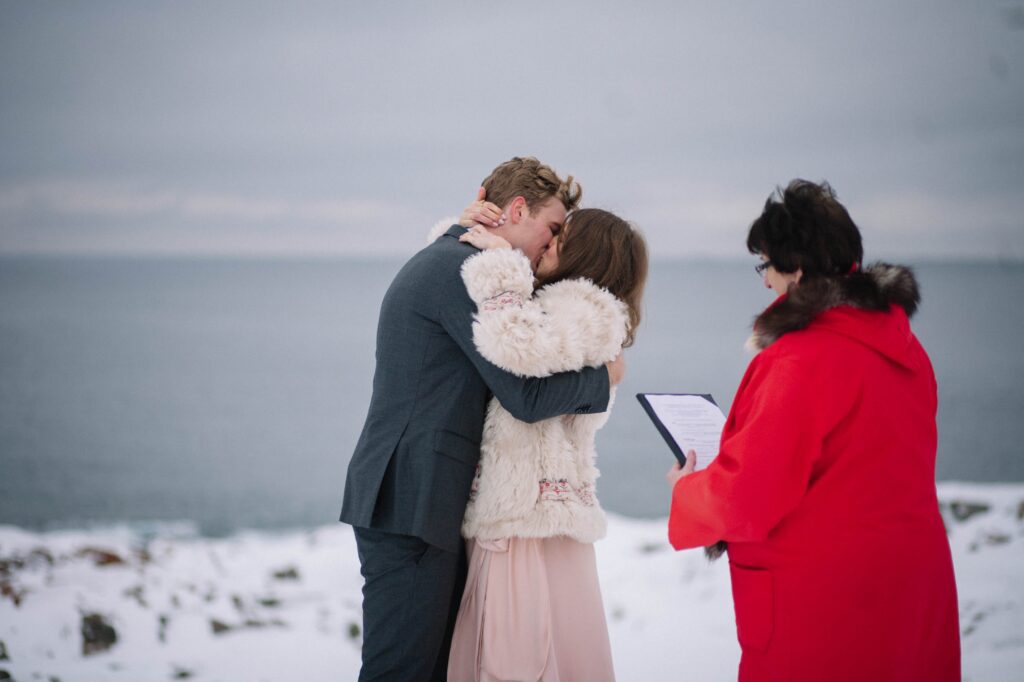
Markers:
point(286, 605)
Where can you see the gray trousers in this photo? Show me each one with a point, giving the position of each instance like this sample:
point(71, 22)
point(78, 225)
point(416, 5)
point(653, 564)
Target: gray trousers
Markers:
point(411, 595)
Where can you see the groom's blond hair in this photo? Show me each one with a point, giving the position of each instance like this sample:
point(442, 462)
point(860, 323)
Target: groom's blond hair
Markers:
point(525, 176)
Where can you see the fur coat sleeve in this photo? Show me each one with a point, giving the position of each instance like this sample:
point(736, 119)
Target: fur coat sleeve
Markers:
point(566, 326)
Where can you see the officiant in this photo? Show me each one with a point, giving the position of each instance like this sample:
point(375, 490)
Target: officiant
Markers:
point(824, 484)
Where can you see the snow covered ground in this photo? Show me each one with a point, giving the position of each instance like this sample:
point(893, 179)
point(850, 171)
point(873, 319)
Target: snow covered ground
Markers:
point(285, 606)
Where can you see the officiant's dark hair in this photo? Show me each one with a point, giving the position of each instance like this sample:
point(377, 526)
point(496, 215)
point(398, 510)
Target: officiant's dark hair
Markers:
point(525, 176)
point(607, 250)
point(804, 227)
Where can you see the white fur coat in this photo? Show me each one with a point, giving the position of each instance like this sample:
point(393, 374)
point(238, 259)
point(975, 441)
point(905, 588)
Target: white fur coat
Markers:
point(538, 480)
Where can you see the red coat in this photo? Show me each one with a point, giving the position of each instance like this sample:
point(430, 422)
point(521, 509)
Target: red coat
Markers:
point(824, 489)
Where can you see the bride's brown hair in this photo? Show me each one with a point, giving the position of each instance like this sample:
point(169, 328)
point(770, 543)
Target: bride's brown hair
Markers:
point(608, 251)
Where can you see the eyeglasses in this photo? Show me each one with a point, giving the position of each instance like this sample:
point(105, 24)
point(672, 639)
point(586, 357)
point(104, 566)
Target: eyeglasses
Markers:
point(761, 267)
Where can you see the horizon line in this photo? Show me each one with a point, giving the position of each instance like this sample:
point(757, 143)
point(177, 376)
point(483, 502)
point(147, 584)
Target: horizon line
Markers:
point(985, 259)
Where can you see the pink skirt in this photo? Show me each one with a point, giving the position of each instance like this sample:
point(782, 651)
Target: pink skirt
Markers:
point(532, 610)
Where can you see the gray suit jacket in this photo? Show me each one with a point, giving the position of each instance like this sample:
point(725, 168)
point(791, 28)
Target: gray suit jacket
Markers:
point(416, 457)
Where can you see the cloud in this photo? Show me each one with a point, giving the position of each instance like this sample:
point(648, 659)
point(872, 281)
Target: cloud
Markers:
point(157, 125)
point(110, 201)
point(681, 217)
point(82, 217)
point(82, 198)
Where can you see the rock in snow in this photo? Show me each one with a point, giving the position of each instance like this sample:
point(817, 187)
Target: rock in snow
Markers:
point(97, 634)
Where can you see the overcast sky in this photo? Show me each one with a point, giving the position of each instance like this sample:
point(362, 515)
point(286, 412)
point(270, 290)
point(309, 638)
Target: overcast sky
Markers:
point(349, 128)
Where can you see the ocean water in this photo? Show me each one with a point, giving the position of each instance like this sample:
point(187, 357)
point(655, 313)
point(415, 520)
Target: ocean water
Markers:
point(230, 393)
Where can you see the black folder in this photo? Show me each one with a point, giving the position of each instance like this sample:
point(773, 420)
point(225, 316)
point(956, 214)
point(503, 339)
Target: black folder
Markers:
point(676, 450)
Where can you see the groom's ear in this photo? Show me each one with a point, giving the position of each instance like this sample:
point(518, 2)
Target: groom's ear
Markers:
point(517, 209)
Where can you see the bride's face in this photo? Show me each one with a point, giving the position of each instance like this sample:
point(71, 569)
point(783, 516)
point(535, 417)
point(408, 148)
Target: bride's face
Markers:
point(548, 261)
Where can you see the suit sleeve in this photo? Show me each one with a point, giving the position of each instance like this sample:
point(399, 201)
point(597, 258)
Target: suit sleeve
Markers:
point(528, 399)
point(770, 443)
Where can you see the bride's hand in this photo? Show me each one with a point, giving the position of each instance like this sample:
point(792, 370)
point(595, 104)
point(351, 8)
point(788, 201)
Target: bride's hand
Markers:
point(482, 212)
point(484, 239)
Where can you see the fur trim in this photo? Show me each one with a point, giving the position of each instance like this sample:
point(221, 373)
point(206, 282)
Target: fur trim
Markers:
point(569, 325)
point(874, 288)
point(539, 480)
point(715, 551)
point(594, 321)
point(439, 228)
point(515, 456)
point(492, 272)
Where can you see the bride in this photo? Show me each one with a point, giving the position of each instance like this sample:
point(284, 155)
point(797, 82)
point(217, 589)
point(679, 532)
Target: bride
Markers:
point(532, 607)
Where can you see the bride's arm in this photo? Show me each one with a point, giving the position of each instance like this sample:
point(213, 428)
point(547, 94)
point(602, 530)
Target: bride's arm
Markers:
point(570, 325)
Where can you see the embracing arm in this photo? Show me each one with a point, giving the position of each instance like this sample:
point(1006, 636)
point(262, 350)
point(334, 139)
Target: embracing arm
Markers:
point(569, 325)
point(528, 399)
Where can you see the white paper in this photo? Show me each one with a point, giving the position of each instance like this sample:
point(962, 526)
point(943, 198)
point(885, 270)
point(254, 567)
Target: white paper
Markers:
point(695, 423)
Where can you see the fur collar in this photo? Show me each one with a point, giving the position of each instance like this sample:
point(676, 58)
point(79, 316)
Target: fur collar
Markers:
point(877, 287)
point(439, 228)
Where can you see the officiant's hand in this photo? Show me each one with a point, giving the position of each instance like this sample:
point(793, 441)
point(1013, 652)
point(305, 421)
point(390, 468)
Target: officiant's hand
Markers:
point(482, 212)
point(677, 471)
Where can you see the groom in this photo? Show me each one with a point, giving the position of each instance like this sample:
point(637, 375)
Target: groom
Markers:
point(410, 475)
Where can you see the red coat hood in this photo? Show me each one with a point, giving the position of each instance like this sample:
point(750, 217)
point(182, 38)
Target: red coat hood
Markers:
point(888, 334)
